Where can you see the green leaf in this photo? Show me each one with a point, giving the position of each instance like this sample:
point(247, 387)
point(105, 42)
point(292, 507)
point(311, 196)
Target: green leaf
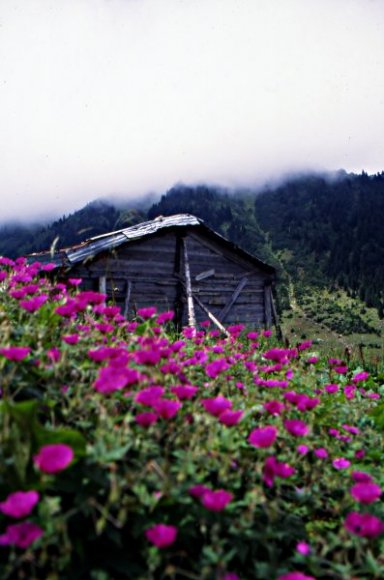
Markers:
point(70, 437)
point(24, 413)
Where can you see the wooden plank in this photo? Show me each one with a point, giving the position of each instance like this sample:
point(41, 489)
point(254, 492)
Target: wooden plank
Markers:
point(224, 312)
point(221, 290)
point(211, 316)
point(205, 274)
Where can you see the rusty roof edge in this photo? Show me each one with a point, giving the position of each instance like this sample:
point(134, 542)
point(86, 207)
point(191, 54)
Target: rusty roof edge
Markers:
point(93, 247)
point(180, 219)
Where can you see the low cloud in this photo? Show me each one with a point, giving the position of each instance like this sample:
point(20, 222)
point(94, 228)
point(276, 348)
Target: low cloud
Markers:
point(104, 97)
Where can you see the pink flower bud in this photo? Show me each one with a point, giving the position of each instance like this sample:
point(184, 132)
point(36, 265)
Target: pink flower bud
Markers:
point(161, 535)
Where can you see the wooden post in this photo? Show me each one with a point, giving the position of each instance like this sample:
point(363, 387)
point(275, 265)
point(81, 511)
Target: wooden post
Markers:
point(103, 284)
point(188, 287)
point(275, 317)
point(267, 306)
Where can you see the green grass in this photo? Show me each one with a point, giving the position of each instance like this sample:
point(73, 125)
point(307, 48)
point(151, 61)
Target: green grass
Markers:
point(337, 323)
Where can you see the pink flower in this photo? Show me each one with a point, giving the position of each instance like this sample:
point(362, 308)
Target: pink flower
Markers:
point(305, 345)
point(321, 453)
point(303, 548)
point(366, 492)
point(54, 458)
point(302, 449)
point(161, 535)
point(350, 391)
point(331, 388)
point(184, 391)
point(295, 576)
point(296, 427)
point(21, 535)
point(273, 468)
point(105, 352)
point(147, 357)
point(67, 310)
point(334, 361)
point(279, 355)
point(198, 490)
point(292, 397)
point(306, 403)
point(359, 377)
point(230, 418)
point(49, 267)
point(34, 304)
point(263, 436)
point(20, 503)
point(18, 293)
point(361, 477)
point(147, 312)
point(74, 281)
point(274, 407)
point(149, 396)
point(113, 378)
point(217, 500)
point(4, 261)
point(104, 328)
point(71, 338)
point(351, 429)
point(217, 405)
point(54, 354)
point(341, 463)
point(146, 419)
point(364, 525)
point(15, 353)
point(374, 396)
point(166, 409)
point(165, 317)
point(333, 432)
point(252, 335)
point(214, 368)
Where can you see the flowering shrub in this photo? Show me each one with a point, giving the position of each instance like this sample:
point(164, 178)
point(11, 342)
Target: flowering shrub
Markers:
point(129, 452)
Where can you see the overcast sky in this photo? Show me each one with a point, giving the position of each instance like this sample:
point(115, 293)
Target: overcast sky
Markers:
point(127, 97)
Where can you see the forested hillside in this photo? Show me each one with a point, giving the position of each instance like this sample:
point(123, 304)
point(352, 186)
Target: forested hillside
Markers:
point(330, 232)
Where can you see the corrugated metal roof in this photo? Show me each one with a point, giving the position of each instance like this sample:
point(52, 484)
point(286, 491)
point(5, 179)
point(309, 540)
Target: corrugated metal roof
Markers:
point(93, 246)
point(111, 240)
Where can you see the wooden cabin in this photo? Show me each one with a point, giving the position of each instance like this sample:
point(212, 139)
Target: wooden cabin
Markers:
point(175, 263)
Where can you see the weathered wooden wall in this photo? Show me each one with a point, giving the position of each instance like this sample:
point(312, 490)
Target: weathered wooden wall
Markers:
point(152, 271)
